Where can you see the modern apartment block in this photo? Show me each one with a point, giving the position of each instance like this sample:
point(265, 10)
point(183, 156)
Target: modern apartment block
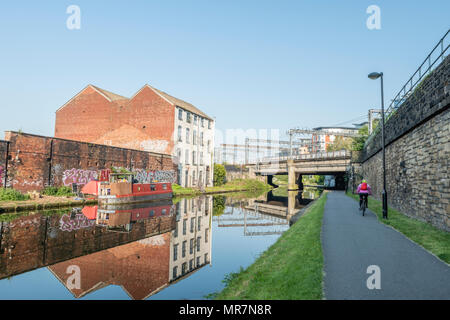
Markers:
point(151, 120)
point(191, 241)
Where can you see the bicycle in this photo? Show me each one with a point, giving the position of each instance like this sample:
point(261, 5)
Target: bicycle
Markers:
point(363, 205)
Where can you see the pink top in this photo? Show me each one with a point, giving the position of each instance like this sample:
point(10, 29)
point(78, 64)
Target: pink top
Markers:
point(368, 191)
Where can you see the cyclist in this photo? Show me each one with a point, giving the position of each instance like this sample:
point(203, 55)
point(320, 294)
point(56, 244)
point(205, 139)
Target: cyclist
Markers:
point(364, 191)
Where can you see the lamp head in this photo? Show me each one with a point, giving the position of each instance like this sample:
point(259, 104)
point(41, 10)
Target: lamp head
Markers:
point(375, 75)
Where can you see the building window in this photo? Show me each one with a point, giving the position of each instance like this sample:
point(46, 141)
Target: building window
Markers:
point(201, 158)
point(209, 146)
point(174, 274)
point(198, 243)
point(186, 159)
point(209, 124)
point(152, 187)
point(175, 232)
point(175, 252)
point(198, 261)
point(203, 122)
point(188, 117)
point(194, 160)
point(184, 226)
point(163, 212)
point(195, 119)
point(191, 264)
point(180, 114)
point(183, 249)
point(199, 219)
point(194, 138)
point(187, 135)
point(191, 246)
point(206, 235)
point(183, 268)
point(192, 224)
point(206, 257)
point(179, 133)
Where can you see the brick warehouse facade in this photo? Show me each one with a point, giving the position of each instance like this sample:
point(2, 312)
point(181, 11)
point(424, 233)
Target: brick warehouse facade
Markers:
point(151, 120)
point(31, 162)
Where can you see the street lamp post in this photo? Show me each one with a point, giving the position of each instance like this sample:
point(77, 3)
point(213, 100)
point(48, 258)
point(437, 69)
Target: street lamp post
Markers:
point(373, 76)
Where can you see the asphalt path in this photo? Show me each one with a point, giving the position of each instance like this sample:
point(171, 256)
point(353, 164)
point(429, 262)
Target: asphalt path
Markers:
point(352, 243)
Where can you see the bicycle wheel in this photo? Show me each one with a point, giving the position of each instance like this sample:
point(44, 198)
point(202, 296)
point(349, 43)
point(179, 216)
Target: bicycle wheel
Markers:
point(364, 206)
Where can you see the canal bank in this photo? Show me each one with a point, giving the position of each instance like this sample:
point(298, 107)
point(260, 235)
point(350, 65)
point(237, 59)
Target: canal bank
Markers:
point(236, 185)
point(50, 202)
point(290, 269)
point(44, 203)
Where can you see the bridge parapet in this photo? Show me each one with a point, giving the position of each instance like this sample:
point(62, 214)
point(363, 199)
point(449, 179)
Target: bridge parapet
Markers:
point(342, 154)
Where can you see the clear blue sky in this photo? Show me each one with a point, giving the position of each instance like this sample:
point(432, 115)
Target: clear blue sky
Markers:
point(251, 64)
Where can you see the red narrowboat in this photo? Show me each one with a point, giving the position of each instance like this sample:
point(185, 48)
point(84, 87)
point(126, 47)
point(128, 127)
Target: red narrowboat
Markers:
point(123, 188)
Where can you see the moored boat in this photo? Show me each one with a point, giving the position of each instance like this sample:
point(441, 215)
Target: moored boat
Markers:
point(121, 188)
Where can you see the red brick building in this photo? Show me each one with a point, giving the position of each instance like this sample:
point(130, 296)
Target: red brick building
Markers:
point(151, 120)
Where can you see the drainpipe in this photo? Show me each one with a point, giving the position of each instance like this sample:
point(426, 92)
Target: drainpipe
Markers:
point(6, 164)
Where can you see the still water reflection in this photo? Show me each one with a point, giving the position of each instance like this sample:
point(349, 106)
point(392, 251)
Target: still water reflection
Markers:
point(160, 250)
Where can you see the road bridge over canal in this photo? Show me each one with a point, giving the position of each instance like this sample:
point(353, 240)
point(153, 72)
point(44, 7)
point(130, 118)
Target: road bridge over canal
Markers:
point(322, 163)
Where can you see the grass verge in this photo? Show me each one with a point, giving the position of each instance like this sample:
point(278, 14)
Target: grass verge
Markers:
point(235, 185)
point(432, 239)
point(290, 269)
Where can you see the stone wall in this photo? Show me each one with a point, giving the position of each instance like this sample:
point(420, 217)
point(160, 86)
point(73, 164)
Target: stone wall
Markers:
point(38, 161)
point(417, 153)
point(241, 172)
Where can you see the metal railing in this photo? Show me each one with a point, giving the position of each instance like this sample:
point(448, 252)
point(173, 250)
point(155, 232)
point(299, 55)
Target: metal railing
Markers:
point(438, 52)
point(309, 156)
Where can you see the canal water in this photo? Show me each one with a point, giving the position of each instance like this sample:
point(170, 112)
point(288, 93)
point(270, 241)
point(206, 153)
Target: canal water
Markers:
point(175, 249)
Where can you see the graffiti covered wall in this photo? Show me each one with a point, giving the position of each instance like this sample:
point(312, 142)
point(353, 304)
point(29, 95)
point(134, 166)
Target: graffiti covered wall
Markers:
point(38, 161)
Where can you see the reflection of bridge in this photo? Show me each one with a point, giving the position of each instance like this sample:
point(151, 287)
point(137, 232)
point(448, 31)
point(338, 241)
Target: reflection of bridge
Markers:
point(323, 163)
point(250, 219)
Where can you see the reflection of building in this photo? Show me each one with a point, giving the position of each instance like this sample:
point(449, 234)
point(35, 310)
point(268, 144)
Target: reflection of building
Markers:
point(191, 240)
point(140, 268)
point(34, 241)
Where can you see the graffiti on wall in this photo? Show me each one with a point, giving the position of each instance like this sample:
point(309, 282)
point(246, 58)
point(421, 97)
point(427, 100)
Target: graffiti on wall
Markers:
point(78, 176)
point(144, 176)
point(78, 222)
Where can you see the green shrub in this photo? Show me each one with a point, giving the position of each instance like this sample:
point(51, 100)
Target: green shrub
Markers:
point(59, 192)
point(219, 174)
point(50, 191)
point(64, 191)
point(9, 194)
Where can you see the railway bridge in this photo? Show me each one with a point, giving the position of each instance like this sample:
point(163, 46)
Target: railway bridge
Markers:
point(321, 163)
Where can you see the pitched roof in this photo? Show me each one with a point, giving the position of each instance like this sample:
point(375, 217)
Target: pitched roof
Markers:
point(112, 96)
point(180, 103)
point(175, 101)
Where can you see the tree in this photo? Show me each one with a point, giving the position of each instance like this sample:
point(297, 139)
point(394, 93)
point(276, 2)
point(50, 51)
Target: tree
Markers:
point(340, 143)
point(358, 142)
point(220, 174)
